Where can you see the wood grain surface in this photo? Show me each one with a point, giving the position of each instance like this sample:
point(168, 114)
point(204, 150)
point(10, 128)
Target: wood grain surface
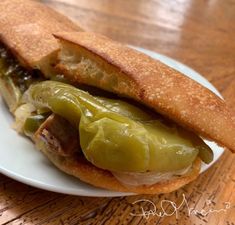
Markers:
point(199, 33)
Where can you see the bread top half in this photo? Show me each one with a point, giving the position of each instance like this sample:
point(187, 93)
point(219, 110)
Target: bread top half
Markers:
point(26, 28)
point(96, 60)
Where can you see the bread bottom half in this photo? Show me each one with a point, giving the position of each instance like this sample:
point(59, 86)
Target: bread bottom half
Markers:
point(79, 167)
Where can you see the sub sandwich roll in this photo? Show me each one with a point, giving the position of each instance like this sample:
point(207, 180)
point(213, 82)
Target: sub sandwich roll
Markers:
point(27, 47)
point(123, 145)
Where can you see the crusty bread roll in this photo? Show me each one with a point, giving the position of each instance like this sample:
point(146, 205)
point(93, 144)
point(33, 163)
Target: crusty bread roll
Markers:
point(26, 28)
point(98, 61)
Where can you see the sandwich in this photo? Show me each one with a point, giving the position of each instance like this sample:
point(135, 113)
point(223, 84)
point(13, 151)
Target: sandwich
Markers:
point(109, 115)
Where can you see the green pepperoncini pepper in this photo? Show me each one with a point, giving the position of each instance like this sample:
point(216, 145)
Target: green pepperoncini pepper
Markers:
point(118, 136)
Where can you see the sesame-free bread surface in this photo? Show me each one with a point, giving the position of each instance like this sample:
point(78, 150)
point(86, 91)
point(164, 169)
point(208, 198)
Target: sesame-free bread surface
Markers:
point(79, 167)
point(26, 27)
point(96, 60)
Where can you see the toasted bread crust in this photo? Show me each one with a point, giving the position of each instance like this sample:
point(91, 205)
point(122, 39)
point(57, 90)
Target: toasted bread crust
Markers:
point(85, 171)
point(26, 28)
point(128, 72)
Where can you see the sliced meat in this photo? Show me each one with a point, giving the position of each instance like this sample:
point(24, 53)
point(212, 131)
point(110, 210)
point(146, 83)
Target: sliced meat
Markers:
point(57, 135)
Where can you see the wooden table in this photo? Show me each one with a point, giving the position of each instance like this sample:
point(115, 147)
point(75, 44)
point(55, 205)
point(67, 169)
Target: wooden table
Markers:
point(200, 34)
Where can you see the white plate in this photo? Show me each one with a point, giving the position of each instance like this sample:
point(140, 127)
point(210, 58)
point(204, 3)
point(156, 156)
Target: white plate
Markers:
point(21, 161)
